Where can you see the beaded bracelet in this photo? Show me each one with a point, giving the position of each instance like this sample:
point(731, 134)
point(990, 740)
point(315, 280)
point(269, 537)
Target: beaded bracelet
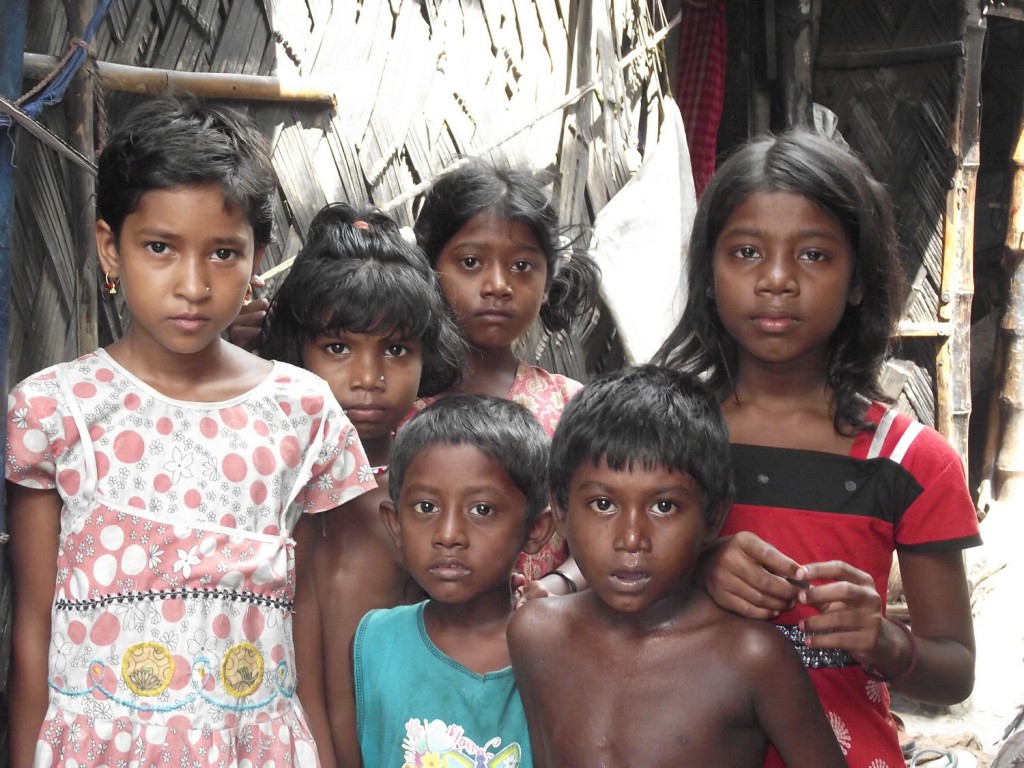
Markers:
point(876, 674)
point(568, 580)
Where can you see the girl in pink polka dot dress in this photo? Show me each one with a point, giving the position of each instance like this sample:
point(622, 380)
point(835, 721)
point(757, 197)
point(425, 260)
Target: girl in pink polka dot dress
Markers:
point(155, 485)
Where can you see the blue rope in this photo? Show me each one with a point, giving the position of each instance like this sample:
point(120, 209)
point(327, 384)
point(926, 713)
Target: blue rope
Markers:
point(54, 92)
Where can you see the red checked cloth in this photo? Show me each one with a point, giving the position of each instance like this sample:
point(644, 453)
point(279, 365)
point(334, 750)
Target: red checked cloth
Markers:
point(700, 82)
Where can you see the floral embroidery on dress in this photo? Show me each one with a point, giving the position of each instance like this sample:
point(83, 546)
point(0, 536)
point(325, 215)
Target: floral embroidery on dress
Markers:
point(875, 690)
point(434, 744)
point(841, 731)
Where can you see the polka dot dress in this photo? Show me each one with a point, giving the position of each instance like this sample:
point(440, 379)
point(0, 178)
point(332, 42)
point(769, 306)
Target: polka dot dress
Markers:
point(171, 639)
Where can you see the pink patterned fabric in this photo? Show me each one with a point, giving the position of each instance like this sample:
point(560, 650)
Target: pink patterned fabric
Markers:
point(700, 83)
point(544, 395)
point(172, 638)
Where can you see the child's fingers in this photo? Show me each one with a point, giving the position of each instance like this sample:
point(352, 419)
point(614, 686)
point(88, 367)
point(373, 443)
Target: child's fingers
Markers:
point(741, 575)
point(854, 630)
point(766, 556)
point(244, 331)
point(835, 570)
point(532, 591)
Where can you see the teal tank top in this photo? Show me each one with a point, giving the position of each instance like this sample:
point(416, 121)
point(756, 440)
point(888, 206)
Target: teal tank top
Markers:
point(417, 706)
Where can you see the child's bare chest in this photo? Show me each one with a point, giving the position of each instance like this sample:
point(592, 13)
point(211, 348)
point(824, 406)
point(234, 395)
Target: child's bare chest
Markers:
point(662, 704)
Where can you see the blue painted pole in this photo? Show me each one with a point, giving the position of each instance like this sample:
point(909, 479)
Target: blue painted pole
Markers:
point(12, 46)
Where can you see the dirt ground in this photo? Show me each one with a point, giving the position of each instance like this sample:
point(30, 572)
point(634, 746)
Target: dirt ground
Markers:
point(974, 729)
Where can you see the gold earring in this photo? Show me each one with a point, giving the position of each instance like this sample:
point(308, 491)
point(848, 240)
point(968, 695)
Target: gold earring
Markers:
point(111, 285)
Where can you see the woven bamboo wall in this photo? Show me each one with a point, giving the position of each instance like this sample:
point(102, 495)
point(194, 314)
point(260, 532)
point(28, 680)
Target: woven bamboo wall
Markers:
point(899, 75)
point(417, 84)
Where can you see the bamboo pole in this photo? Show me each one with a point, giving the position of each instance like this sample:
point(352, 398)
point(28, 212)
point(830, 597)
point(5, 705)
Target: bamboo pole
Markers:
point(213, 85)
point(81, 115)
point(1009, 468)
point(953, 357)
point(795, 23)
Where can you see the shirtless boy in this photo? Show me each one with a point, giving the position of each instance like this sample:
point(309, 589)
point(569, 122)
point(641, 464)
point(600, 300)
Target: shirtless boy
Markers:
point(643, 669)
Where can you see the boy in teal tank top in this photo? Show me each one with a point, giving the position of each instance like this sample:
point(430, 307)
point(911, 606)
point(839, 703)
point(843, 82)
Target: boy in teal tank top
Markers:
point(433, 685)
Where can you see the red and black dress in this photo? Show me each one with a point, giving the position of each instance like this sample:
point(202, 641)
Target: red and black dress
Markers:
point(902, 487)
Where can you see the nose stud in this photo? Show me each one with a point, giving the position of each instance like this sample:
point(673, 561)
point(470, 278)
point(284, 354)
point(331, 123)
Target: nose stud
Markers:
point(382, 377)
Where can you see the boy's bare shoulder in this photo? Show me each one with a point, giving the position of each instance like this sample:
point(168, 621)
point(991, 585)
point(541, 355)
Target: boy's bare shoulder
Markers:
point(749, 641)
point(543, 621)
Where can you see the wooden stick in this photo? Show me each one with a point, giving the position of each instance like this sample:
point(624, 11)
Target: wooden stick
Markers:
point(953, 355)
point(81, 189)
point(1009, 468)
point(213, 85)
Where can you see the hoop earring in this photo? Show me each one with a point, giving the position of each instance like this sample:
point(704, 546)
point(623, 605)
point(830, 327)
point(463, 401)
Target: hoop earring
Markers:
point(248, 294)
point(111, 285)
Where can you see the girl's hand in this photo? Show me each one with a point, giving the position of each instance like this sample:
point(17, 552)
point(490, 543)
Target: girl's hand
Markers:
point(850, 612)
point(523, 591)
point(931, 660)
point(549, 585)
point(747, 575)
point(244, 330)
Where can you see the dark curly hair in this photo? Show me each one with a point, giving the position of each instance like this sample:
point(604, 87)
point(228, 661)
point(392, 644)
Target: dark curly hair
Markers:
point(363, 281)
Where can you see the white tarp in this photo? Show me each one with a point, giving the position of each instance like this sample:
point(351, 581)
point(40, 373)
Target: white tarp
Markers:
point(642, 234)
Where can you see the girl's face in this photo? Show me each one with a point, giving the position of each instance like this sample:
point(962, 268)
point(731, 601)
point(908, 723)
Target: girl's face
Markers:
point(374, 376)
point(783, 277)
point(494, 276)
point(185, 259)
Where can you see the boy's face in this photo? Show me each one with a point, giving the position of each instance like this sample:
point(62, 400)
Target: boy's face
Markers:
point(635, 534)
point(185, 260)
point(460, 524)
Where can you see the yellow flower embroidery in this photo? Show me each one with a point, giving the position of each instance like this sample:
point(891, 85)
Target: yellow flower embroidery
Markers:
point(242, 670)
point(147, 668)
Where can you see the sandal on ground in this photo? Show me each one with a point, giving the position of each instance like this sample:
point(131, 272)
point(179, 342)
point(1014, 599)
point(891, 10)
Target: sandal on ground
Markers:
point(934, 758)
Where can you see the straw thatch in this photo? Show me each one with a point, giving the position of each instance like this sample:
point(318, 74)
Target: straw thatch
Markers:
point(417, 85)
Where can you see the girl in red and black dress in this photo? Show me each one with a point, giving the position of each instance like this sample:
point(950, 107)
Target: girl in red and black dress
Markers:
point(793, 296)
